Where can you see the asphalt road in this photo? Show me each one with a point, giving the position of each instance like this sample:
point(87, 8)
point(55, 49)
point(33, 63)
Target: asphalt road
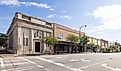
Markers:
point(68, 62)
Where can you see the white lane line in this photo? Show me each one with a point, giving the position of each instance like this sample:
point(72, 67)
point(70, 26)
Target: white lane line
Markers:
point(59, 64)
point(114, 69)
point(22, 63)
point(85, 60)
point(91, 65)
point(76, 69)
point(2, 64)
point(34, 63)
point(73, 60)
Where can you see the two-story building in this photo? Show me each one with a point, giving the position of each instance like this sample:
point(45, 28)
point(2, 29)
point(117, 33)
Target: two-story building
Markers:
point(25, 34)
point(64, 46)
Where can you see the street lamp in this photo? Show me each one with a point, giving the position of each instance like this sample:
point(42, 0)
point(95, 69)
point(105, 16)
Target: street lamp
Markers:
point(81, 28)
point(80, 35)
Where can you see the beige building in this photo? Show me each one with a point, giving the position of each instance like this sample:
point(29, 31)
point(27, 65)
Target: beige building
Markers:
point(94, 41)
point(25, 34)
point(61, 32)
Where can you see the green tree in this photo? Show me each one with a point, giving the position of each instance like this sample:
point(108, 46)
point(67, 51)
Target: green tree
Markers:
point(3, 39)
point(96, 48)
point(73, 40)
point(90, 46)
point(84, 40)
point(93, 47)
point(50, 41)
point(113, 48)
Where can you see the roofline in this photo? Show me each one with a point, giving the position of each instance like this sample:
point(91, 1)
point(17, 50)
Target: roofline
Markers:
point(32, 17)
point(68, 28)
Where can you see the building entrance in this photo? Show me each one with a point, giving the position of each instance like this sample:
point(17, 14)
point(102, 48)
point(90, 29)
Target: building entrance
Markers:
point(37, 46)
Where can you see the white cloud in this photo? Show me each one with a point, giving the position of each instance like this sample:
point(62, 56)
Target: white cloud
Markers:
point(19, 3)
point(50, 16)
point(34, 4)
point(66, 17)
point(9, 2)
point(109, 16)
point(59, 17)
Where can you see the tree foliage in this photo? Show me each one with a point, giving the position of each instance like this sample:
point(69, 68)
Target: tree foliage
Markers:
point(3, 39)
point(94, 47)
point(84, 40)
point(90, 45)
point(50, 40)
point(113, 47)
point(72, 38)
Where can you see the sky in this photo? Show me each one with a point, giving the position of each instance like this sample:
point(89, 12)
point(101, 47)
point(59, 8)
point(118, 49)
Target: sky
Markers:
point(102, 17)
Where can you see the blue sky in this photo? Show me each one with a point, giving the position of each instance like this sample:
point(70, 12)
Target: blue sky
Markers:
point(102, 17)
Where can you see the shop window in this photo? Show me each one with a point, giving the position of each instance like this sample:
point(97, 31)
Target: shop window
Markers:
point(61, 36)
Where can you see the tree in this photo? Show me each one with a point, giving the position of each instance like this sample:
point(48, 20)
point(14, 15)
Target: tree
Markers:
point(93, 47)
point(73, 40)
point(113, 48)
point(90, 46)
point(83, 41)
point(96, 48)
point(3, 39)
point(50, 41)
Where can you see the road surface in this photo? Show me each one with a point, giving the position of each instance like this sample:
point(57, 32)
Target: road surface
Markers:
point(66, 62)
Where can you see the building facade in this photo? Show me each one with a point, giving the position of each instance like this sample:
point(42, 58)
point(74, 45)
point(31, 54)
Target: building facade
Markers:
point(64, 46)
point(104, 43)
point(25, 34)
point(94, 41)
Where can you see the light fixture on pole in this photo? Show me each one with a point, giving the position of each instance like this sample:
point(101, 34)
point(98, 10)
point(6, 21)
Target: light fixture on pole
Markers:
point(80, 29)
point(81, 34)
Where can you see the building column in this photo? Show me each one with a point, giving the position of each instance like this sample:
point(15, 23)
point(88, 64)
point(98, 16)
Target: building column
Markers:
point(20, 41)
point(32, 42)
point(45, 48)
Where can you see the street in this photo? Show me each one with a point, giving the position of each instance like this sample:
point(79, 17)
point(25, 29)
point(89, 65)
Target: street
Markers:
point(65, 62)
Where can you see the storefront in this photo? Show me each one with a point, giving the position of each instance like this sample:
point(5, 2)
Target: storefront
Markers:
point(67, 47)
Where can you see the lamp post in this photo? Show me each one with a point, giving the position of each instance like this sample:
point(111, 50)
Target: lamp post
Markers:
point(81, 28)
point(80, 35)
